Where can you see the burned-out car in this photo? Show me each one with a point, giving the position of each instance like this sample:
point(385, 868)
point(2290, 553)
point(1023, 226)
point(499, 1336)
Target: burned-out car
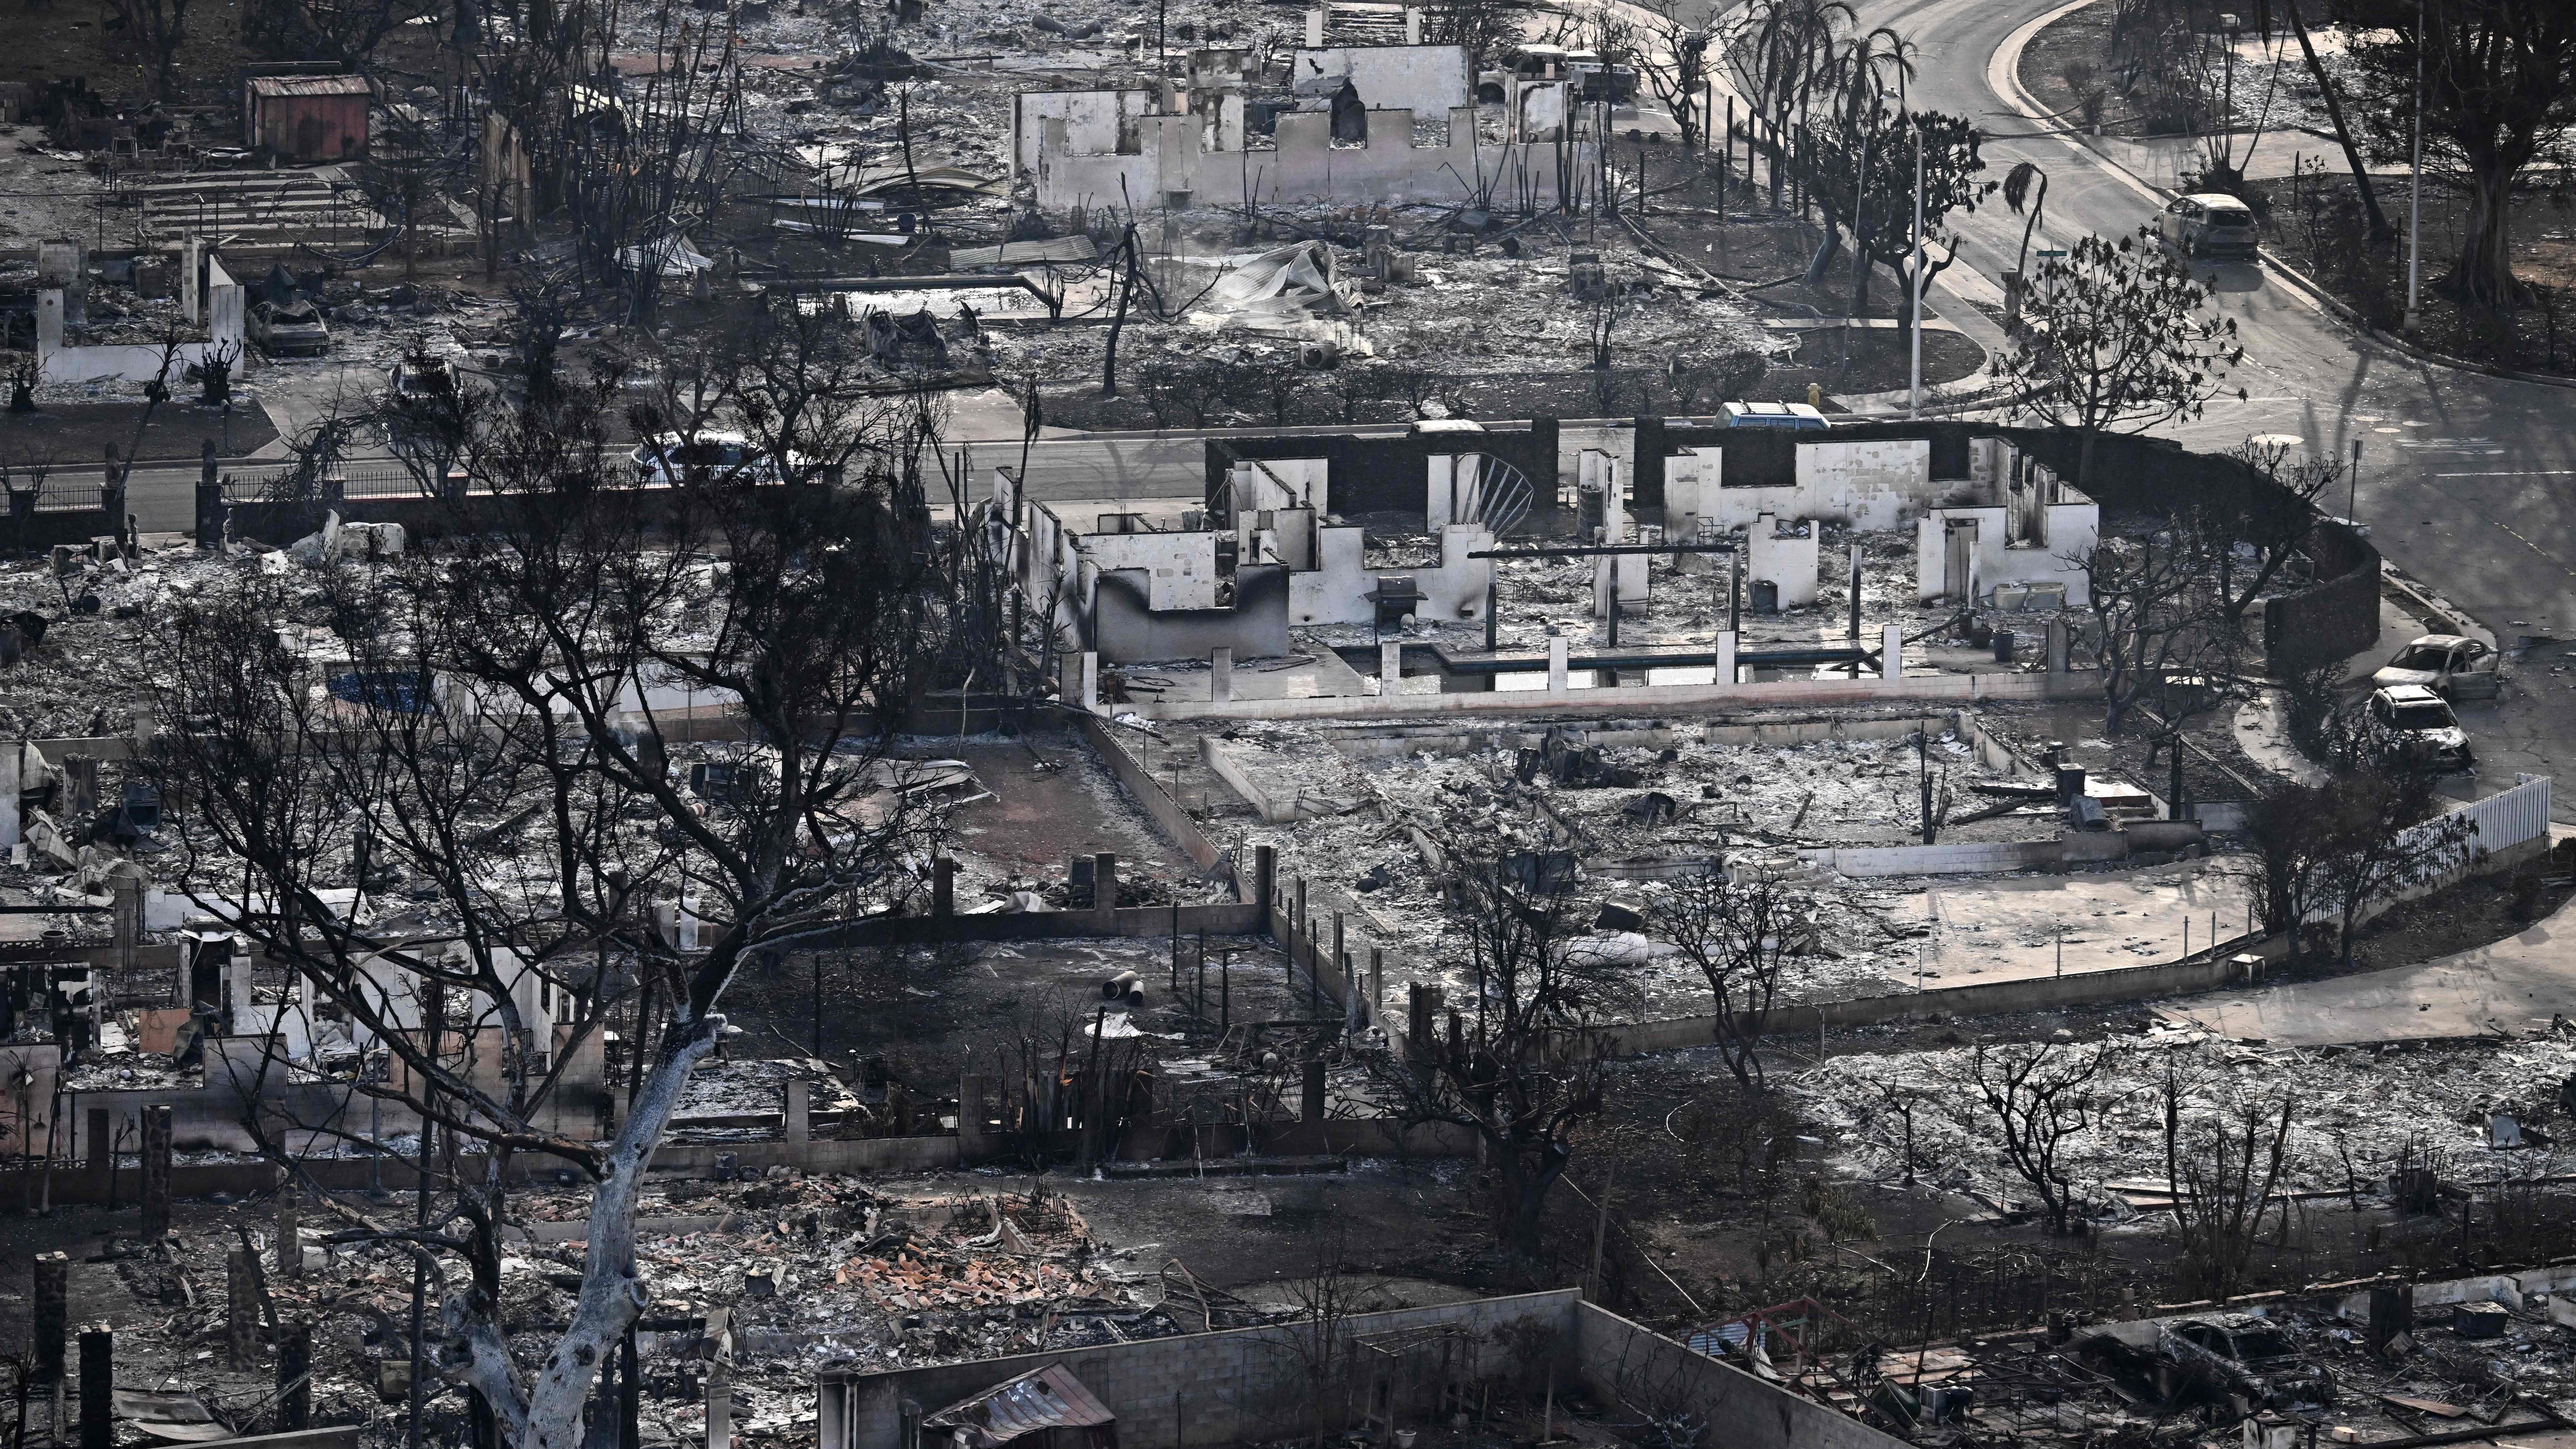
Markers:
point(2232, 1358)
point(289, 327)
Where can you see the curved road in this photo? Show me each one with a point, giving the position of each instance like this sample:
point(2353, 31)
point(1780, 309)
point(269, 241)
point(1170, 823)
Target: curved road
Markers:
point(2467, 482)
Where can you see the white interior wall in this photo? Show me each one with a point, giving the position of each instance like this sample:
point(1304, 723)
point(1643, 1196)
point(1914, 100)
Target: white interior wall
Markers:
point(1424, 79)
point(1788, 562)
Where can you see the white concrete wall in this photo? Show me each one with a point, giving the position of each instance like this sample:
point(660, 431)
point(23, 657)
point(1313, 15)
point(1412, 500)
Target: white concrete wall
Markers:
point(1302, 167)
point(1424, 79)
point(1335, 589)
point(1181, 565)
point(1867, 485)
point(2072, 528)
point(1788, 561)
point(1453, 488)
point(1096, 123)
point(1338, 589)
point(1282, 483)
point(138, 362)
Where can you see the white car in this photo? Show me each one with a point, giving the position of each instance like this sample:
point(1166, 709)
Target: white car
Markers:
point(2412, 728)
point(2209, 224)
point(710, 455)
point(2453, 666)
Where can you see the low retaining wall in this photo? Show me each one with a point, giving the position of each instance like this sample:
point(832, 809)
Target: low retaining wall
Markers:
point(1992, 998)
point(2087, 847)
point(1223, 919)
point(1245, 1384)
point(1166, 812)
point(1638, 699)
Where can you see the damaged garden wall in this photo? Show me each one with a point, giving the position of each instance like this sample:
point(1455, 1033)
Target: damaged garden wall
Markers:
point(1246, 1384)
point(1307, 167)
point(58, 362)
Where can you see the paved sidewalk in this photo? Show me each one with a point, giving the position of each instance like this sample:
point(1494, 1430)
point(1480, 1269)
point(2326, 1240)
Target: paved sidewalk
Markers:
point(2512, 987)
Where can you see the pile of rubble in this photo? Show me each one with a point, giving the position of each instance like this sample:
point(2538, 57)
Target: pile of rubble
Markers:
point(2486, 1111)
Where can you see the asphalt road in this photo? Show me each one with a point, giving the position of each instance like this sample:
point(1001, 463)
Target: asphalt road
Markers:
point(2467, 482)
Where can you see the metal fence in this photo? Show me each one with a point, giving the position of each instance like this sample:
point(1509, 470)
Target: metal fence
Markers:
point(72, 498)
point(351, 480)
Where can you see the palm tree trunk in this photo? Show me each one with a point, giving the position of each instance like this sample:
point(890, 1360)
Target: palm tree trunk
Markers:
point(2380, 230)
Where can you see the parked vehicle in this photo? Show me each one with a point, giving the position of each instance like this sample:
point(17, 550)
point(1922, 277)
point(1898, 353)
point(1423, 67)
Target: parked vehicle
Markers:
point(291, 327)
point(2208, 225)
point(2412, 727)
point(2232, 1358)
point(1798, 417)
point(709, 455)
point(2453, 666)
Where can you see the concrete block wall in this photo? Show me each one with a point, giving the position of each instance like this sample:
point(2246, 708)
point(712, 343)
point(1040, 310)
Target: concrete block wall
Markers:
point(1303, 166)
point(1973, 857)
point(135, 362)
point(1249, 1384)
point(1234, 1386)
point(1786, 560)
point(1625, 1364)
point(1425, 79)
point(2073, 527)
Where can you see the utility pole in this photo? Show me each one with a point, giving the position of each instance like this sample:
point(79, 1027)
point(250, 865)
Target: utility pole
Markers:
point(2415, 197)
point(1914, 318)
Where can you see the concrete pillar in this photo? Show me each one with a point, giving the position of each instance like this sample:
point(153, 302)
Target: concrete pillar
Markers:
point(1265, 880)
point(1376, 984)
point(800, 1118)
point(80, 787)
point(1104, 885)
point(101, 1143)
point(210, 498)
point(290, 1235)
point(1311, 1106)
point(1341, 958)
point(1725, 658)
point(1390, 666)
point(53, 1295)
point(943, 886)
point(156, 1172)
point(98, 1387)
point(1090, 679)
point(241, 1004)
point(973, 1107)
point(1221, 668)
point(145, 725)
point(49, 322)
point(1315, 28)
point(2058, 646)
point(720, 1406)
point(1556, 667)
point(294, 1375)
point(12, 756)
point(1891, 655)
point(241, 1309)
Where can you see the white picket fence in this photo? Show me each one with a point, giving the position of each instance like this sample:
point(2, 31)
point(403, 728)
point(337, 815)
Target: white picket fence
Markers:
point(2497, 824)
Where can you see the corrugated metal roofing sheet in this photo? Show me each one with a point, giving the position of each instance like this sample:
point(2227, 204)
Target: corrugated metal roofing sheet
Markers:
point(308, 85)
point(1046, 1398)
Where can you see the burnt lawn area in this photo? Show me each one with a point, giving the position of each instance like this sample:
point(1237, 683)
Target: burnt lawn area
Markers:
point(2314, 223)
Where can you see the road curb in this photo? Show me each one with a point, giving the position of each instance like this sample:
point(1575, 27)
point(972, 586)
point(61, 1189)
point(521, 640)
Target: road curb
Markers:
point(2019, 97)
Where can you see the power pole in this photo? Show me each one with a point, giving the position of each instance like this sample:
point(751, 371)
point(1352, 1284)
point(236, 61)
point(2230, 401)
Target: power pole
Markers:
point(1914, 317)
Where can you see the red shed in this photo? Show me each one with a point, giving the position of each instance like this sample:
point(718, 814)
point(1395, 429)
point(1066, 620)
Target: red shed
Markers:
point(306, 118)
